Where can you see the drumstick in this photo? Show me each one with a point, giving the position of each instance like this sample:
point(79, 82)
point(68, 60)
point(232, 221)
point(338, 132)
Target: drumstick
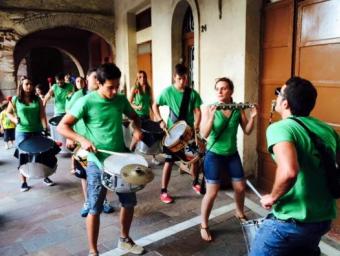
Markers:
point(253, 189)
point(109, 152)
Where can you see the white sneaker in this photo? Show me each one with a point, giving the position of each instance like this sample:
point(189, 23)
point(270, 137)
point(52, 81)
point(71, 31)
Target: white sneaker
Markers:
point(128, 245)
point(6, 146)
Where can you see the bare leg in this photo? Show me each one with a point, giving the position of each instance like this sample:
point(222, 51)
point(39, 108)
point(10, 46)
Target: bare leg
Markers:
point(84, 187)
point(206, 206)
point(239, 189)
point(22, 178)
point(126, 216)
point(166, 174)
point(92, 225)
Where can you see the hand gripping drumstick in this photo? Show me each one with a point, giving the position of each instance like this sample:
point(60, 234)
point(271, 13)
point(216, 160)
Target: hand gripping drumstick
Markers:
point(253, 188)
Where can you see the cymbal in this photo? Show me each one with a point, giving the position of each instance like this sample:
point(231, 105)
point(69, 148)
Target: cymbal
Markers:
point(137, 174)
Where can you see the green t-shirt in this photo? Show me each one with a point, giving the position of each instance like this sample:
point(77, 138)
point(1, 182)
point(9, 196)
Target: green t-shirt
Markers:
point(79, 126)
point(60, 94)
point(103, 122)
point(309, 199)
point(226, 143)
point(142, 99)
point(172, 98)
point(29, 115)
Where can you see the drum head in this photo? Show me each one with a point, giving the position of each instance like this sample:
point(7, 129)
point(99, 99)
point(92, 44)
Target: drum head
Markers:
point(175, 133)
point(55, 120)
point(114, 163)
point(36, 145)
point(137, 174)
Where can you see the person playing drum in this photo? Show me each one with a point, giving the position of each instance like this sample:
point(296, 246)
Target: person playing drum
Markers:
point(220, 127)
point(172, 97)
point(28, 113)
point(102, 112)
point(141, 101)
point(59, 91)
point(79, 127)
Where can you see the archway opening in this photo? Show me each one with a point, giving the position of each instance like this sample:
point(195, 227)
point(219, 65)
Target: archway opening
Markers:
point(47, 52)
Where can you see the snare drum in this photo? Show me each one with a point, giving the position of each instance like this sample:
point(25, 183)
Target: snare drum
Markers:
point(178, 136)
point(113, 165)
point(249, 229)
point(37, 157)
point(152, 136)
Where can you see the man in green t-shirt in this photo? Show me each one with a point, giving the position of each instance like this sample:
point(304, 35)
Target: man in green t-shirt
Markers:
point(172, 97)
point(302, 206)
point(60, 90)
point(102, 112)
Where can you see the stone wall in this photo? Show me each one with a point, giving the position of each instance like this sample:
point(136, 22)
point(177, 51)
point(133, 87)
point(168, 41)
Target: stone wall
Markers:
point(21, 18)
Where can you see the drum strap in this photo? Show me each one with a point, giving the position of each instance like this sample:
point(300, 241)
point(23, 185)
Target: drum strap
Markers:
point(183, 110)
point(222, 129)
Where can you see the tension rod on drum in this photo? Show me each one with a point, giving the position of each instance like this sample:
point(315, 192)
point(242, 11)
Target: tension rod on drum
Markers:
point(253, 189)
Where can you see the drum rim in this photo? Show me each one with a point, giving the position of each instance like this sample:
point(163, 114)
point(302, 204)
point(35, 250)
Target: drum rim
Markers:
point(36, 136)
point(175, 142)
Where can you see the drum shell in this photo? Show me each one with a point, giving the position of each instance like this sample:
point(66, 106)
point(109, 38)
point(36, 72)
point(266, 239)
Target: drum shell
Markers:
point(111, 177)
point(115, 183)
point(152, 136)
point(56, 136)
point(35, 170)
point(181, 142)
point(249, 229)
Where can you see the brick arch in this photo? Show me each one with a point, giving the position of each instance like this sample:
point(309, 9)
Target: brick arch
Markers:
point(102, 26)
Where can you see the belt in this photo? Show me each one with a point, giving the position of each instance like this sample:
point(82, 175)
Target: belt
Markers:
point(290, 220)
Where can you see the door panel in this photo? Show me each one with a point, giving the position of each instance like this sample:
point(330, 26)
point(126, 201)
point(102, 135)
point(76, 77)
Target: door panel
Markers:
point(277, 51)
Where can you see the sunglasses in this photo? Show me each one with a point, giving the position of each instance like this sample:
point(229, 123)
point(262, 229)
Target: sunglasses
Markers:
point(278, 92)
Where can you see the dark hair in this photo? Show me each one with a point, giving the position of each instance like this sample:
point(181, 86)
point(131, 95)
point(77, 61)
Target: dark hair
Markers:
point(107, 71)
point(60, 76)
point(227, 80)
point(181, 70)
point(21, 93)
point(137, 85)
point(301, 96)
point(90, 71)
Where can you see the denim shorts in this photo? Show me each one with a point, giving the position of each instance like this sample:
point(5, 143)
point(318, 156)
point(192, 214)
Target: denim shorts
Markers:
point(215, 165)
point(96, 192)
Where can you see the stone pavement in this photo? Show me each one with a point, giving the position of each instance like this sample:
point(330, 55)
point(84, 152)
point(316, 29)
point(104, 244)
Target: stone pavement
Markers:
point(46, 220)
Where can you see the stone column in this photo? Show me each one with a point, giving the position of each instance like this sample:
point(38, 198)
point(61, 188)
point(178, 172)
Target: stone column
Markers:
point(8, 40)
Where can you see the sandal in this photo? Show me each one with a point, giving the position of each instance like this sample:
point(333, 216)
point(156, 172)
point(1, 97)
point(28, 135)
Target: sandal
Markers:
point(205, 234)
point(241, 219)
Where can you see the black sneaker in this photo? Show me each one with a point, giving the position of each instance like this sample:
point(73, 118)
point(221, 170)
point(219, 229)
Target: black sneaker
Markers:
point(49, 182)
point(24, 187)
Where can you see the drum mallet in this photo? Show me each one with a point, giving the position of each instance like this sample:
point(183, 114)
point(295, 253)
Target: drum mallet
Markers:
point(253, 188)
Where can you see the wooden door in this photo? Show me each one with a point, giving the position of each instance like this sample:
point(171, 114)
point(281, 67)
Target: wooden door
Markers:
point(144, 59)
point(277, 52)
point(318, 60)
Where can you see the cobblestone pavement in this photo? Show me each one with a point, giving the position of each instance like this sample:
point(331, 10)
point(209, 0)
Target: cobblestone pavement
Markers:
point(46, 220)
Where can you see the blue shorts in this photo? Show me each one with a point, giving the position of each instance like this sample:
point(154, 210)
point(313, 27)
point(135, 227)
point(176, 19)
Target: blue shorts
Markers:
point(215, 165)
point(96, 192)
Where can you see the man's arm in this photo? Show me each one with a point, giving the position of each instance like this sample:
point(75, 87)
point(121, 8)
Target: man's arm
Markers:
point(65, 128)
point(137, 133)
point(197, 118)
point(43, 115)
point(286, 172)
point(48, 96)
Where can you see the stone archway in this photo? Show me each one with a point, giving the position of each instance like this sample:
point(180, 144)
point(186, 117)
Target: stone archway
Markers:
point(25, 23)
point(178, 14)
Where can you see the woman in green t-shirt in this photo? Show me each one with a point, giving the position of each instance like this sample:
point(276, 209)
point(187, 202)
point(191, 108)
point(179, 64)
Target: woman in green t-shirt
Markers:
point(28, 113)
point(220, 127)
point(141, 101)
